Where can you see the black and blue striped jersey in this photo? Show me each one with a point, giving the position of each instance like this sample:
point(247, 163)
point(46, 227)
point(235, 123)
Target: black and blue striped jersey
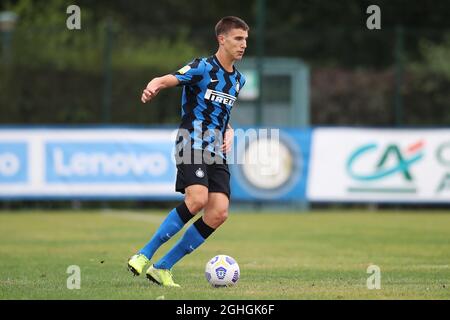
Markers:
point(209, 93)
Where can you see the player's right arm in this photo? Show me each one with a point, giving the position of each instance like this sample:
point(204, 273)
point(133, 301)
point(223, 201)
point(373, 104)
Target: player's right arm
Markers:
point(190, 74)
point(157, 84)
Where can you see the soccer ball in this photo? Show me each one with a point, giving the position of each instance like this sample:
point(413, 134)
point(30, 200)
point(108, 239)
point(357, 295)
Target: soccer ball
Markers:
point(222, 271)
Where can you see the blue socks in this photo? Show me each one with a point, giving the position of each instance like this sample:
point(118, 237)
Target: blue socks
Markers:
point(173, 223)
point(194, 236)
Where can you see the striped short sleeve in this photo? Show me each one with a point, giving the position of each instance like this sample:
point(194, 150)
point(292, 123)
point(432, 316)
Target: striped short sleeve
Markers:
point(191, 73)
point(243, 80)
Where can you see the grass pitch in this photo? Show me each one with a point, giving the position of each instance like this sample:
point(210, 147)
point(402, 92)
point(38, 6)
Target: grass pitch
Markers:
point(318, 255)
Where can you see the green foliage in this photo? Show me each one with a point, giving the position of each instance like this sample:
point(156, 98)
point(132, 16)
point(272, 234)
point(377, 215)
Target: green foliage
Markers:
point(59, 76)
point(436, 57)
point(426, 88)
point(157, 53)
point(43, 40)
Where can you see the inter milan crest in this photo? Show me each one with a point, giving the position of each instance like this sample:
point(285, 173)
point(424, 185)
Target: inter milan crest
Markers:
point(199, 173)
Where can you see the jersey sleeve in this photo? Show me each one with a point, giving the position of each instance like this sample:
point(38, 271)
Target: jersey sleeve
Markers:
point(240, 84)
point(243, 80)
point(191, 73)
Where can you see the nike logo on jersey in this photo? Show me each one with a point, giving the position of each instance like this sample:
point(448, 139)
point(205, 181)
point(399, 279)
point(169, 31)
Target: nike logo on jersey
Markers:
point(220, 97)
point(216, 80)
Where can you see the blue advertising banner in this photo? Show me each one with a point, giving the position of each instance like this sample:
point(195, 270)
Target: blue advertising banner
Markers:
point(99, 163)
point(13, 162)
point(133, 163)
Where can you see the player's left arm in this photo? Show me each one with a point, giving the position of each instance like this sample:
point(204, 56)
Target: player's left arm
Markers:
point(229, 131)
point(228, 139)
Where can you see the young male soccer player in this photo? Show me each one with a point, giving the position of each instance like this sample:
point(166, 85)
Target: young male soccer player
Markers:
point(210, 88)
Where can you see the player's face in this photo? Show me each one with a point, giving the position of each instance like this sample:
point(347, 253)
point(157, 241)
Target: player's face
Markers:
point(235, 43)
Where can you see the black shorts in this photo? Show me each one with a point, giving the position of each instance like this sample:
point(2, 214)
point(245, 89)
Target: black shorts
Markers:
point(216, 177)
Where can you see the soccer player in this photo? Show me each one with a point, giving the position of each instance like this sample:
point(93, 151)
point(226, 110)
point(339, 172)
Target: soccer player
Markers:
point(211, 85)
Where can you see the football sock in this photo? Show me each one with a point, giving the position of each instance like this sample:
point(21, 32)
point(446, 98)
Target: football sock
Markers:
point(173, 223)
point(194, 236)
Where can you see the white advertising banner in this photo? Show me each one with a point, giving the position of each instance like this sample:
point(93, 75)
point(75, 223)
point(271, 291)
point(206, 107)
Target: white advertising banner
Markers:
point(380, 165)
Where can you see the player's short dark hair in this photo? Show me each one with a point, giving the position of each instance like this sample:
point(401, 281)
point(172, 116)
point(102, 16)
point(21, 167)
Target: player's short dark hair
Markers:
point(231, 22)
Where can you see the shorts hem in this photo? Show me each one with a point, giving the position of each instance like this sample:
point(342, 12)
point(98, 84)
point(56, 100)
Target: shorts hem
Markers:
point(181, 189)
point(221, 191)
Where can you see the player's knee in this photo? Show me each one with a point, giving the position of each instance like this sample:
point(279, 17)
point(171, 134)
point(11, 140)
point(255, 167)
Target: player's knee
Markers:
point(221, 216)
point(195, 203)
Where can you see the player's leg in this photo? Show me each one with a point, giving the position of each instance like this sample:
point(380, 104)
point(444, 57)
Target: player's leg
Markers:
point(216, 210)
point(173, 223)
point(196, 199)
point(215, 213)
point(196, 195)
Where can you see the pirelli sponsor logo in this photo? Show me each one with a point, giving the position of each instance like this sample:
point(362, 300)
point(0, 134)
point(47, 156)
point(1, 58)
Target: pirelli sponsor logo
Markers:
point(220, 97)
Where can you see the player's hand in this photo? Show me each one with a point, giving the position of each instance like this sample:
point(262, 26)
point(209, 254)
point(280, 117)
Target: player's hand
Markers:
point(149, 93)
point(228, 140)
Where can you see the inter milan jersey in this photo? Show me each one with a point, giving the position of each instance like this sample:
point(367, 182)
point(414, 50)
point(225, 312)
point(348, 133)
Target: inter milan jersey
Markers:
point(209, 93)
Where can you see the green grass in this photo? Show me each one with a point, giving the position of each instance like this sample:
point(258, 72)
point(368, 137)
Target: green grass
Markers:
point(319, 255)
